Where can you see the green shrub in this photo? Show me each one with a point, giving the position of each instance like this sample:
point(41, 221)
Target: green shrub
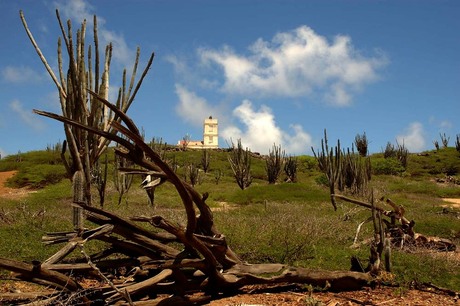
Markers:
point(289, 223)
point(386, 166)
point(444, 161)
point(307, 163)
point(39, 176)
point(322, 180)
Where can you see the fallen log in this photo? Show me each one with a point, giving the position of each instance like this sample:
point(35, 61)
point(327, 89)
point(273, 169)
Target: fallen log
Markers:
point(242, 275)
point(402, 235)
point(140, 287)
point(204, 263)
point(15, 298)
point(36, 273)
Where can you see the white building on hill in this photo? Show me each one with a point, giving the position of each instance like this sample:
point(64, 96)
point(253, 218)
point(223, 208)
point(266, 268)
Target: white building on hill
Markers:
point(210, 136)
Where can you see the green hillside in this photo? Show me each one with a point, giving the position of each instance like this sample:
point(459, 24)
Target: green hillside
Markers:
point(292, 223)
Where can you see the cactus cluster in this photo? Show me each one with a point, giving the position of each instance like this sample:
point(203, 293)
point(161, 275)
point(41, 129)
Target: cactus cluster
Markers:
point(345, 170)
point(86, 78)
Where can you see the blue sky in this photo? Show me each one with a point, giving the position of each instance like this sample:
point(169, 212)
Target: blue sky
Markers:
point(272, 72)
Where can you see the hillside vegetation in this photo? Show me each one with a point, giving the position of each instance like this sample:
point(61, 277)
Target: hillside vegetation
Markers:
point(291, 223)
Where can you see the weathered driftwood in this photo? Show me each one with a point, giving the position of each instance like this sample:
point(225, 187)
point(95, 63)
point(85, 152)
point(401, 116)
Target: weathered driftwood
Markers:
point(15, 298)
point(180, 260)
point(40, 275)
point(402, 234)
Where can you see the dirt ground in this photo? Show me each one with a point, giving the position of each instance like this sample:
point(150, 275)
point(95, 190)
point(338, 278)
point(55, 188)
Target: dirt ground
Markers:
point(11, 193)
point(378, 296)
point(289, 295)
point(452, 202)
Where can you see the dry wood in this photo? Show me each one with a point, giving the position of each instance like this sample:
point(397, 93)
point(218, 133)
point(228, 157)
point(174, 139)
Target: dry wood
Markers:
point(182, 258)
point(61, 254)
point(19, 297)
point(102, 264)
point(140, 287)
point(206, 263)
point(401, 235)
point(241, 275)
point(36, 273)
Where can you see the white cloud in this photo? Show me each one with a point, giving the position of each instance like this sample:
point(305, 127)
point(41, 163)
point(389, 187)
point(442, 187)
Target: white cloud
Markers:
point(51, 101)
point(20, 74)
point(121, 53)
point(3, 153)
point(192, 108)
point(294, 64)
point(445, 124)
point(441, 124)
point(413, 137)
point(188, 76)
point(261, 131)
point(75, 9)
point(300, 142)
point(79, 10)
point(26, 115)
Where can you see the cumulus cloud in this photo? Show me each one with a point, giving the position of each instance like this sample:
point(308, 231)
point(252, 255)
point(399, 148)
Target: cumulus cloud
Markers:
point(187, 74)
point(51, 101)
point(445, 124)
point(192, 108)
point(261, 131)
point(20, 74)
point(441, 124)
point(26, 115)
point(78, 10)
point(413, 137)
point(297, 63)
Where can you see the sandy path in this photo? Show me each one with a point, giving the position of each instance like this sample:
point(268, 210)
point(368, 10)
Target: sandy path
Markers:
point(7, 192)
point(452, 202)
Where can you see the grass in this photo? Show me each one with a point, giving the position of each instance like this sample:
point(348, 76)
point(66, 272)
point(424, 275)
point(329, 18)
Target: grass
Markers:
point(292, 223)
point(35, 169)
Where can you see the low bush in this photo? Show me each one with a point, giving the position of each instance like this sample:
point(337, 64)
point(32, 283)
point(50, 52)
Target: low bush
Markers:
point(386, 166)
point(293, 223)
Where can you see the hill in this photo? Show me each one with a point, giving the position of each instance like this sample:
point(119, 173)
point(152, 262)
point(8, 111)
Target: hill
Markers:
point(291, 223)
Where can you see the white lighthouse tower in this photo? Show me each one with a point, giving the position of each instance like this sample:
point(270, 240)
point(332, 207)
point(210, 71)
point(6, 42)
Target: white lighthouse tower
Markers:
point(210, 133)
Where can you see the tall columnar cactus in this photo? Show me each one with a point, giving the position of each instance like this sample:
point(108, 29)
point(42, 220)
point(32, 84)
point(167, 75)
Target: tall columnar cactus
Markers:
point(344, 169)
point(205, 160)
point(402, 154)
point(122, 181)
point(356, 172)
point(290, 169)
point(362, 144)
point(444, 140)
point(457, 143)
point(86, 75)
point(329, 161)
point(240, 162)
point(274, 163)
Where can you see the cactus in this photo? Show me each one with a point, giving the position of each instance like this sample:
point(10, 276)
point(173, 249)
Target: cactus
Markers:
point(274, 163)
point(457, 143)
point(122, 181)
point(193, 173)
point(362, 144)
point(205, 160)
point(329, 161)
point(78, 90)
point(345, 170)
point(240, 162)
point(79, 198)
point(444, 140)
point(290, 169)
